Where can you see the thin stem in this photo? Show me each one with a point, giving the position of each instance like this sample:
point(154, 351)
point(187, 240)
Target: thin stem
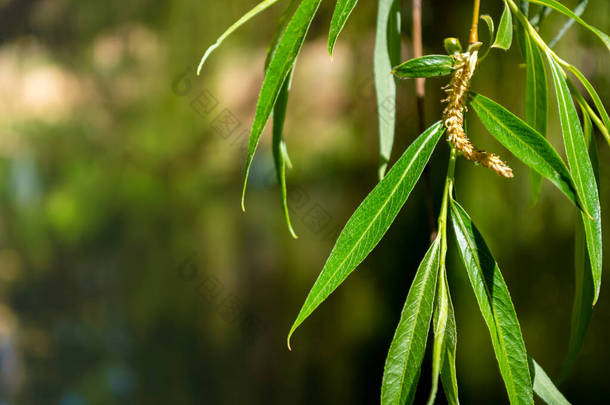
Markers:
point(474, 29)
point(447, 193)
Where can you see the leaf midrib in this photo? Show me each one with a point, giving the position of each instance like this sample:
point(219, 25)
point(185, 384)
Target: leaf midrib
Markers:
point(390, 195)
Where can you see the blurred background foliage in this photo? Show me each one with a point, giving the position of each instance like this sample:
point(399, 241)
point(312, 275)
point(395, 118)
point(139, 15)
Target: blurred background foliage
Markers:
point(128, 273)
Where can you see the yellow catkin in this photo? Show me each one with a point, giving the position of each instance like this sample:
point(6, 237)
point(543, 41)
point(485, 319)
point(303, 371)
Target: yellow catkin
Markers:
point(453, 116)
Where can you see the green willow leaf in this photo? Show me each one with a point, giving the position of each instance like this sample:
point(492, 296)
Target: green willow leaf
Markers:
point(262, 6)
point(495, 305)
point(490, 25)
point(425, 66)
point(343, 9)
point(584, 289)
point(582, 171)
point(280, 66)
point(504, 38)
point(445, 339)
point(536, 102)
point(557, 6)
point(279, 149)
point(386, 56)
point(280, 153)
point(544, 387)
point(525, 143)
point(579, 10)
point(402, 366)
point(597, 101)
point(371, 220)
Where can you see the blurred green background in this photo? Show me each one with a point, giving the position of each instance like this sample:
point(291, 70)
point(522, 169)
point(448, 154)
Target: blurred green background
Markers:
point(128, 273)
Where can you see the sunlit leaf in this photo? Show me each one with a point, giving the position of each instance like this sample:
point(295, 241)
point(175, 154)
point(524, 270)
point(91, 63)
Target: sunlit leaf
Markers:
point(425, 66)
point(555, 5)
point(495, 305)
point(371, 220)
point(525, 143)
point(582, 171)
point(544, 387)
point(445, 339)
point(490, 25)
point(402, 366)
point(536, 104)
point(386, 56)
point(262, 6)
point(343, 9)
point(504, 38)
point(279, 68)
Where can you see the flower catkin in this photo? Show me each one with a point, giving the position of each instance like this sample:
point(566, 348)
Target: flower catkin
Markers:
point(453, 116)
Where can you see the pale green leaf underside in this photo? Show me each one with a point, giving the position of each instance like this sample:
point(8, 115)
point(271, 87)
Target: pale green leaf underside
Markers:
point(386, 56)
point(282, 62)
point(525, 143)
point(425, 66)
point(445, 340)
point(536, 101)
point(496, 306)
point(555, 5)
point(262, 6)
point(582, 171)
point(504, 38)
point(544, 387)
point(343, 9)
point(371, 220)
point(402, 366)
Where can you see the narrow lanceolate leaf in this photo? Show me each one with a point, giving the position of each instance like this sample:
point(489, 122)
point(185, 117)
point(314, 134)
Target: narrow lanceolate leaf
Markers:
point(584, 290)
point(278, 70)
point(279, 149)
point(525, 143)
point(536, 104)
point(425, 66)
point(371, 220)
point(579, 10)
point(599, 105)
point(555, 5)
point(445, 337)
point(490, 26)
point(280, 152)
point(343, 9)
point(504, 38)
point(496, 306)
point(582, 172)
point(262, 6)
point(544, 387)
point(386, 56)
point(402, 366)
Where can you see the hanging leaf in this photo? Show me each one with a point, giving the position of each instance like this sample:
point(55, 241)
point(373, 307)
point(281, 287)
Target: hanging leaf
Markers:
point(371, 220)
point(525, 143)
point(557, 6)
point(584, 289)
point(536, 103)
point(280, 66)
point(445, 339)
point(425, 66)
point(386, 56)
point(504, 38)
point(582, 172)
point(599, 105)
point(343, 10)
point(544, 387)
point(495, 305)
point(402, 366)
point(262, 6)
